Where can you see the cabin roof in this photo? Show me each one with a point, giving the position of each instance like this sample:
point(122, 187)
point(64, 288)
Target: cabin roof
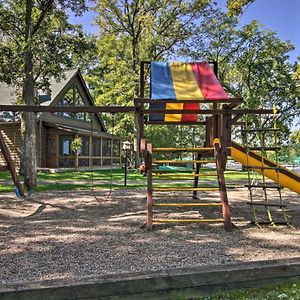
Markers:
point(8, 93)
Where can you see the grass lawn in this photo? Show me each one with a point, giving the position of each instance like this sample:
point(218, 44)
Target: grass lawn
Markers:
point(289, 290)
point(101, 179)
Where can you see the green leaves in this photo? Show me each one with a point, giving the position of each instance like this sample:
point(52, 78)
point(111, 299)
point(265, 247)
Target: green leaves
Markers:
point(253, 63)
point(235, 7)
point(53, 41)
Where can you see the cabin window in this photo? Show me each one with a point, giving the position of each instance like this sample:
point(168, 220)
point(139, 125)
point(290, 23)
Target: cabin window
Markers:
point(84, 150)
point(73, 98)
point(116, 148)
point(106, 147)
point(96, 147)
point(65, 145)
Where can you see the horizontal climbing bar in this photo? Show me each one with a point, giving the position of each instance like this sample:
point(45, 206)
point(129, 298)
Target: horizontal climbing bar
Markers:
point(183, 149)
point(187, 220)
point(188, 204)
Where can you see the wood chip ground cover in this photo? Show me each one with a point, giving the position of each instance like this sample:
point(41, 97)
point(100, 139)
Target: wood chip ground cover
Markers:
point(70, 234)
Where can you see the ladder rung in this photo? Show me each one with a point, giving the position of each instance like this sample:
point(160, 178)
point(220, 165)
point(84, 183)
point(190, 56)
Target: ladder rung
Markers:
point(183, 161)
point(271, 223)
point(187, 220)
point(265, 148)
point(188, 204)
point(185, 175)
point(262, 168)
point(162, 189)
point(264, 186)
point(183, 149)
point(265, 204)
point(260, 129)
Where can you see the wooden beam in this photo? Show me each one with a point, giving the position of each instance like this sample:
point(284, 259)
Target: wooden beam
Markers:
point(228, 100)
point(175, 123)
point(127, 109)
point(10, 164)
point(209, 111)
point(234, 120)
point(73, 109)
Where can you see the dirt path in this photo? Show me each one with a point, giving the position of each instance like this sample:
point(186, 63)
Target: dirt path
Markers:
point(69, 234)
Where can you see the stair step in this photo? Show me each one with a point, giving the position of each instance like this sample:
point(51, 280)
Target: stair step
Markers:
point(201, 149)
point(187, 220)
point(263, 186)
point(162, 189)
point(188, 204)
point(265, 204)
point(167, 161)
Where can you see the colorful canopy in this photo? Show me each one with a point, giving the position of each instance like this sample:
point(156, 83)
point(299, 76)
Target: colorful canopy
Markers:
point(182, 81)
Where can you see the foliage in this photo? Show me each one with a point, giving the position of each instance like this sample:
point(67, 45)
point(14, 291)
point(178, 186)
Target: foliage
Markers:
point(36, 43)
point(253, 63)
point(235, 7)
point(76, 144)
point(287, 290)
point(130, 32)
point(291, 151)
point(53, 40)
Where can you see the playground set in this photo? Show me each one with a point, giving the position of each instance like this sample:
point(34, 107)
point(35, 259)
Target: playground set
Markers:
point(179, 93)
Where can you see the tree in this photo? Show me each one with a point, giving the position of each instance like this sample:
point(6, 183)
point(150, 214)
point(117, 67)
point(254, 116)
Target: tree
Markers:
point(253, 63)
point(36, 43)
point(132, 31)
point(235, 7)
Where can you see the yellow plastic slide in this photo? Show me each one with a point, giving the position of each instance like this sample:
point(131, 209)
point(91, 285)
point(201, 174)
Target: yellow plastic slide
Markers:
point(285, 177)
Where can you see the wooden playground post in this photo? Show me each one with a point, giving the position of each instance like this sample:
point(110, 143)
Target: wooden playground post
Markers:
point(148, 165)
point(222, 186)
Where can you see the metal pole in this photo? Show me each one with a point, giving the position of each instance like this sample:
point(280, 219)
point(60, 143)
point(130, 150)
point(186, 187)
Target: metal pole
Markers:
point(126, 159)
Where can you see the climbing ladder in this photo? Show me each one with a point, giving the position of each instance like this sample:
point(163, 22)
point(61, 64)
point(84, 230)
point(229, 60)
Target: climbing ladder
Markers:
point(167, 201)
point(266, 208)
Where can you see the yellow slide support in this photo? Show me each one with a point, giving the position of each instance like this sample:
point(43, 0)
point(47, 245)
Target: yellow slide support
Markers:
point(285, 177)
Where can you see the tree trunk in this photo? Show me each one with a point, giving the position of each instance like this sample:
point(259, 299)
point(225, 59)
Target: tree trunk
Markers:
point(135, 58)
point(29, 162)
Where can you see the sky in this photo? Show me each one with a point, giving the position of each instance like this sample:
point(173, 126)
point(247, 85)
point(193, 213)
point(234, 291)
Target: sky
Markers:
point(281, 16)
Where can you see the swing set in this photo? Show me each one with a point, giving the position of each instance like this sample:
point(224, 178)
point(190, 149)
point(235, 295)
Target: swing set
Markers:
point(178, 94)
